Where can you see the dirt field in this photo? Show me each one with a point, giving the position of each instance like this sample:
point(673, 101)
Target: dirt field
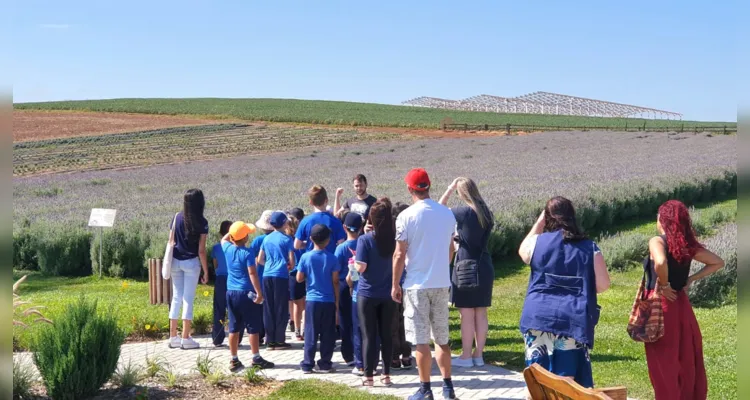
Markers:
point(39, 125)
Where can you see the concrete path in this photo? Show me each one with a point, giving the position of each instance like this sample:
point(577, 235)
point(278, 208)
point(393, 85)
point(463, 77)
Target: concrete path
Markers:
point(487, 382)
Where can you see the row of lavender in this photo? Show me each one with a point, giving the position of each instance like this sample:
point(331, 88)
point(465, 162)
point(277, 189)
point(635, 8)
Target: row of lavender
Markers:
point(612, 177)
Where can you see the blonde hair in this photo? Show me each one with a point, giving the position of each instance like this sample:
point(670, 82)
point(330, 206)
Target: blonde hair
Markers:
point(469, 193)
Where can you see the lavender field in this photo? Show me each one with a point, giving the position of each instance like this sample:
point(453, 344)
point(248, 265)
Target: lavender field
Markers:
point(511, 171)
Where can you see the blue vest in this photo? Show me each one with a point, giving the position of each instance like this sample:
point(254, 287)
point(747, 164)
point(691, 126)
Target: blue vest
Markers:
point(561, 298)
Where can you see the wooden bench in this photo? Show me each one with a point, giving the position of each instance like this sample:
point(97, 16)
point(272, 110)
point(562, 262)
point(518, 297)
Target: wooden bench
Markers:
point(544, 385)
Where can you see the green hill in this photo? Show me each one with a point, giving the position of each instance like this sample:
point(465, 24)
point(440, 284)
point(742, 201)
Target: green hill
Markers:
point(342, 113)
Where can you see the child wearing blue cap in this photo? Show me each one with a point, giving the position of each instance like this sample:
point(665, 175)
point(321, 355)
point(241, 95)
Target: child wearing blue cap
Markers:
point(345, 251)
point(277, 256)
point(319, 269)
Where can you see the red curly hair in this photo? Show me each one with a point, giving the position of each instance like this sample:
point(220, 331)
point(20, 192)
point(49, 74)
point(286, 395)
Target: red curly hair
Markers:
point(681, 242)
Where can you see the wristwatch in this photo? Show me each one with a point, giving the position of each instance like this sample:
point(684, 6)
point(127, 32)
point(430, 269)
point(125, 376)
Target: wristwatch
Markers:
point(662, 287)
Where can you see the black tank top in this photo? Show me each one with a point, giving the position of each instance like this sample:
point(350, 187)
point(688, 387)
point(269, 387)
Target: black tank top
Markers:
point(678, 274)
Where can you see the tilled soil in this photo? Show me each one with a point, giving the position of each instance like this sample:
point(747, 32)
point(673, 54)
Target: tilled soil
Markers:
point(39, 125)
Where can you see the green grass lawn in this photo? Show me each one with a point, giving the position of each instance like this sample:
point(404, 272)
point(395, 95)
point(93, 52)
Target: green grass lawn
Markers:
point(128, 299)
point(617, 359)
point(342, 113)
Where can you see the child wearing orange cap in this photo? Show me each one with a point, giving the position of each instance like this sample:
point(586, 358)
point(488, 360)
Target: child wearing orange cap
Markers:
point(243, 283)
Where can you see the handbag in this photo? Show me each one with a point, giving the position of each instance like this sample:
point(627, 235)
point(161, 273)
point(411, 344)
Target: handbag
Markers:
point(646, 322)
point(166, 263)
point(466, 272)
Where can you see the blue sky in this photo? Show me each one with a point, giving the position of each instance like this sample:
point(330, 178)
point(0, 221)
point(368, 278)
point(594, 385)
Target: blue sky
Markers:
point(671, 55)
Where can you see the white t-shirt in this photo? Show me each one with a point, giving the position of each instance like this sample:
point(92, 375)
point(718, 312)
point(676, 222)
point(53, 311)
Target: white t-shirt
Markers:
point(427, 227)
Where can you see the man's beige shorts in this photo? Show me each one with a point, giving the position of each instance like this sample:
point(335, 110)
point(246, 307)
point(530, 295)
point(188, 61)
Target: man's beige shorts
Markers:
point(426, 315)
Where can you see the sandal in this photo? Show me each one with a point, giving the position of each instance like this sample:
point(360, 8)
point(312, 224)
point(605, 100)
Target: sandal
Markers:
point(386, 381)
point(368, 382)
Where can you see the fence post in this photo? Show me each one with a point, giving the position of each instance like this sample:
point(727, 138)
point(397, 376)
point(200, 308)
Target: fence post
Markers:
point(466, 127)
point(725, 129)
point(626, 126)
point(644, 126)
point(507, 129)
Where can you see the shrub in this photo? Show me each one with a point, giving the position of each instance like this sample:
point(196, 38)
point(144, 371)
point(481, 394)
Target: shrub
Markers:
point(24, 251)
point(155, 365)
point(202, 323)
point(623, 249)
point(124, 250)
point(720, 288)
point(204, 364)
point(128, 375)
point(79, 353)
point(142, 326)
point(23, 377)
point(254, 375)
point(62, 251)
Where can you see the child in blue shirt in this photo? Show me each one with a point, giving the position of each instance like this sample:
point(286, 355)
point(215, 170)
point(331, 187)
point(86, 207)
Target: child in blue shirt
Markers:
point(264, 224)
point(320, 270)
point(319, 201)
point(277, 255)
point(344, 251)
point(242, 279)
point(220, 289)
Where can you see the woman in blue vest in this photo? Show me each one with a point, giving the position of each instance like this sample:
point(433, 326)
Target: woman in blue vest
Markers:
point(560, 310)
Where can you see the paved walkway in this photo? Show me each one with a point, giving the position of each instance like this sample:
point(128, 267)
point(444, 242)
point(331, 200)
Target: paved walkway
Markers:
point(488, 382)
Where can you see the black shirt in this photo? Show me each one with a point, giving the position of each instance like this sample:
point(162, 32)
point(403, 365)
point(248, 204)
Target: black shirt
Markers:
point(361, 207)
point(678, 274)
point(184, 248)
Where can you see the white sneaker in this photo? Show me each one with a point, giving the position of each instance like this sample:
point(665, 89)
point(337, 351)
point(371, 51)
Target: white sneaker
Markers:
point(189, 343)
point(459, 362)
point(358, 372)
point(175, 342)
point(478, 361)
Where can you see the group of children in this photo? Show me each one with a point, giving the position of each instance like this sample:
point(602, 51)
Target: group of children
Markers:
point(298, 263)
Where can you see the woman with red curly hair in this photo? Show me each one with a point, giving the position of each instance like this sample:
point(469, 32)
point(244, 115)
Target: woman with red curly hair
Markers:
point(675, 362)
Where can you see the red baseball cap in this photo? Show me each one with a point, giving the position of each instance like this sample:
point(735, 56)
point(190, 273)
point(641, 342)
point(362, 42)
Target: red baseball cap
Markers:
point(417, 179)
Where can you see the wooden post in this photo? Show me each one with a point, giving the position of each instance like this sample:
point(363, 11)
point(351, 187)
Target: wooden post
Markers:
point(159, 289)
point(151, 294)
point(507, 129)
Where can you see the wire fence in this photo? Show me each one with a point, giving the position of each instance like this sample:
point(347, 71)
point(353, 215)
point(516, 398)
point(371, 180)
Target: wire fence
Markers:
point(510, 128)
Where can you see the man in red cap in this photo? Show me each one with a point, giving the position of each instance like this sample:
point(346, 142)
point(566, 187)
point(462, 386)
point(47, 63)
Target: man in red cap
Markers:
point(424, 247)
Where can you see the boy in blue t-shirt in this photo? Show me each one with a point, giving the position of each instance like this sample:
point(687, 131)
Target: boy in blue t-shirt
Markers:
point(319, 201)
point(277, 255)
point(264, 224)
point(220, 289)
point(242, 280)
point(344, 251)
point(320, 270)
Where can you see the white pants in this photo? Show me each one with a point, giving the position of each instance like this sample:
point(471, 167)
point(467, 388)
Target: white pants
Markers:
point(185, 275)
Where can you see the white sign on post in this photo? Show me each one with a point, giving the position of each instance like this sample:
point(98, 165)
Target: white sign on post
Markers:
point(102, 218)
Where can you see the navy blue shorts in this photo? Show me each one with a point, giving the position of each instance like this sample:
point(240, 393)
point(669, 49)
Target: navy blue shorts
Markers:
point(243, 312)
point(297, 290)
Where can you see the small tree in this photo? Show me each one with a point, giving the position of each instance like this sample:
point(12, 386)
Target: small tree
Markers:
point(79, 353)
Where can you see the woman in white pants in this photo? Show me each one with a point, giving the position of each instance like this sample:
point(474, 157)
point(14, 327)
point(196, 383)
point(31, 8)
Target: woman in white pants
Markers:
point(190, 232)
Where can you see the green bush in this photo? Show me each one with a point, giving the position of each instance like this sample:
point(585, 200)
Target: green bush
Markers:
point(62, 251)
point(23, 377)
point(622, 250)
point(123, 251)
point(721, 287)
point(79, 353)
point(24, 251)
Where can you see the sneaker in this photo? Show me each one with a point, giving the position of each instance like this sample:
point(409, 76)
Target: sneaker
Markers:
point(189, 343)
point(406, 363)
point(358, 371)
point(463, 363)
point(422, 396)
point(448, 393)
point(478, 361)
point(326, 371)
point(396, 364)
point(262, 363)
point(271, 346)
point(282, 346)
point(235, 365)
point(300, 338)
point(291, 326)
point(175, 342)
point(306, 371)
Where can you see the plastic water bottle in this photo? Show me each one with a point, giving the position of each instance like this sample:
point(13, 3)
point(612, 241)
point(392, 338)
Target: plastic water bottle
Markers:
point(252, 296)
point(353, 270)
